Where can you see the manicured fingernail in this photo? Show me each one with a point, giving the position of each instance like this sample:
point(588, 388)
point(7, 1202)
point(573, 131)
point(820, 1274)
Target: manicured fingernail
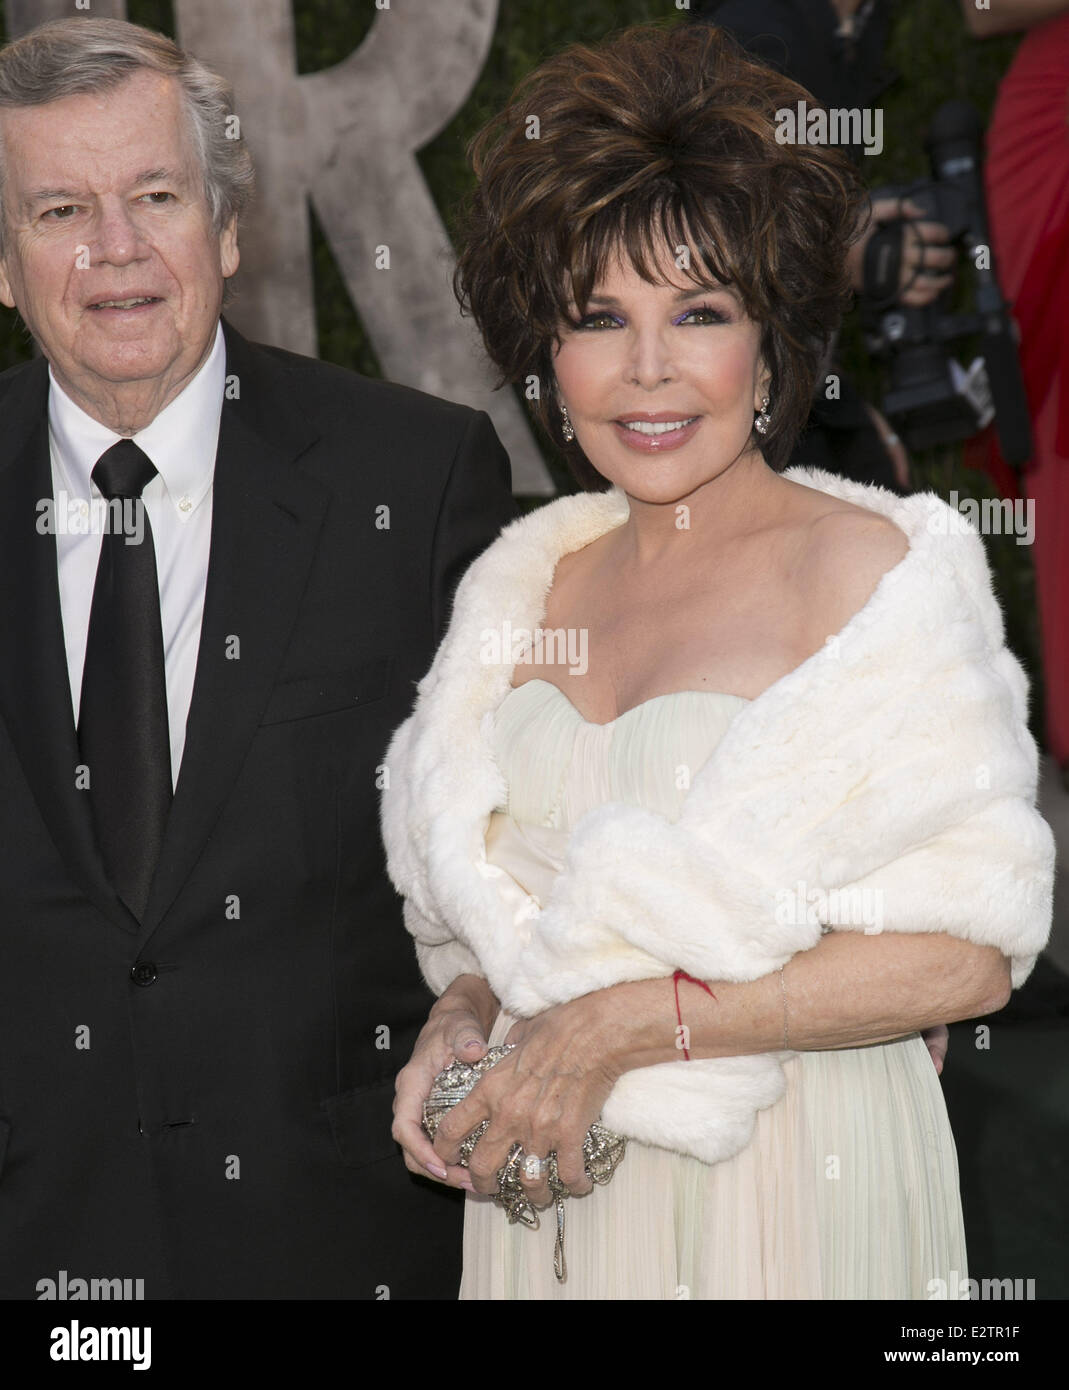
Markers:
point(438, 1172)
point(470, 1042)
point(467, 1187)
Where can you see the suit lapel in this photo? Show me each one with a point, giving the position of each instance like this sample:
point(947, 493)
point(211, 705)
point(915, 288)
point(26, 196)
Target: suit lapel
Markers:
point(266, 521)
point(35, 700)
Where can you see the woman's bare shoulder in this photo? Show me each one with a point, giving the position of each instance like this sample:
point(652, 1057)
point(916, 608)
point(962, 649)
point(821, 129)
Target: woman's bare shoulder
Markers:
point(848, 551)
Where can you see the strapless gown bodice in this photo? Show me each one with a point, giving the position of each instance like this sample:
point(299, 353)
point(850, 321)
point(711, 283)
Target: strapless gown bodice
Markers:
point(645, 757)
point(559, 765)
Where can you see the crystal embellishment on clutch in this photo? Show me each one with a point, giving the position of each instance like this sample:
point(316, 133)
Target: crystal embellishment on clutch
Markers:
point(602, 1149)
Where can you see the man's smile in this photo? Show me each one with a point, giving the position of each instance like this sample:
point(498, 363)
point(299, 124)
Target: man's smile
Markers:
point(126, 303)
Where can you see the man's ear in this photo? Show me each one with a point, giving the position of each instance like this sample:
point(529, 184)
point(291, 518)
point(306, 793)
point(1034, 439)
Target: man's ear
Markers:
point(6, 297)
point(229, 256)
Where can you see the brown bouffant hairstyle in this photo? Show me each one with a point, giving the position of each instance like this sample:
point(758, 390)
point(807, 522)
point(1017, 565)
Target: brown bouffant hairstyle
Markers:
point(660, 138)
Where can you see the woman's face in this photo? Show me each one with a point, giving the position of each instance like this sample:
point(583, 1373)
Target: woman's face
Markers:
point(661, 382)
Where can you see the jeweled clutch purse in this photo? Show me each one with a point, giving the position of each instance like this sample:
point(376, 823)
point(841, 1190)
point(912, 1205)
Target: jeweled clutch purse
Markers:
point(602, 1149)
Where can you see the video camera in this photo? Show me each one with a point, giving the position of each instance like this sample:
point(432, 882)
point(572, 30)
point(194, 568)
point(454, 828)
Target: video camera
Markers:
point(931, 398)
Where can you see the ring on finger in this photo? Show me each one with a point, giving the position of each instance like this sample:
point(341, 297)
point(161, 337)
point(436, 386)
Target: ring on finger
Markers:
point(467, 1147)
point(534, 1168)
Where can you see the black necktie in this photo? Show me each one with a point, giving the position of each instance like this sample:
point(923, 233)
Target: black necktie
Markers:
point(122, 722)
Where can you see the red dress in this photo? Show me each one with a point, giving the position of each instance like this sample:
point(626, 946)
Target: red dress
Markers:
point(1027, 178)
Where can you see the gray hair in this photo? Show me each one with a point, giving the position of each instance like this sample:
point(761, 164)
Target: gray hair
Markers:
point(71, 57)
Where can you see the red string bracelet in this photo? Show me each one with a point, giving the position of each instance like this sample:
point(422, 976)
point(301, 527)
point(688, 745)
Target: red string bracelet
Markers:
point(682, 1032)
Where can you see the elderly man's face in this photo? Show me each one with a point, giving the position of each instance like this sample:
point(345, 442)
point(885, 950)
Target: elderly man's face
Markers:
point(110, 254)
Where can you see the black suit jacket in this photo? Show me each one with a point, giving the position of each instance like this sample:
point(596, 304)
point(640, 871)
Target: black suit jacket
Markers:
point(202, 1100)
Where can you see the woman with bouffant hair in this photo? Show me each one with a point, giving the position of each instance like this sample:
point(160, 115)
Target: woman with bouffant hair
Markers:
point(598, 153)
point(720, 788)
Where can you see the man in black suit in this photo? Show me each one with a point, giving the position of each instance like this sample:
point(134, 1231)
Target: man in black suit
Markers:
point(205, 984)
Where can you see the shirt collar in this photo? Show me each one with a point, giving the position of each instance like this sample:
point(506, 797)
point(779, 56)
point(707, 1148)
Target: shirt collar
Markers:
point(181, 441)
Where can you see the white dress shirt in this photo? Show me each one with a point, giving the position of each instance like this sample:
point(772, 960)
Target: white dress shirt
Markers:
point(181, 442)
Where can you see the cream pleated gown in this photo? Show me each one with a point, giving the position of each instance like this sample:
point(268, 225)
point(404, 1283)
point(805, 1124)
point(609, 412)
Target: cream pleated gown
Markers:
point(849, 1187)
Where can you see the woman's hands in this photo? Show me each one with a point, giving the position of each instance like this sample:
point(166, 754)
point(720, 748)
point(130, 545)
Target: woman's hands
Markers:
point(545, 1095)
point(458, 1026)
point(849, 990)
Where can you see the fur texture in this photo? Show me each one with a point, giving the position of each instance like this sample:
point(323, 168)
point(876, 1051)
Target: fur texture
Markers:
point(896, 760)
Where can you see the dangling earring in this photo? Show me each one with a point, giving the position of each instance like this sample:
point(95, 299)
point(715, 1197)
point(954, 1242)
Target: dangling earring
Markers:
point(566, 425)
point(763, 420)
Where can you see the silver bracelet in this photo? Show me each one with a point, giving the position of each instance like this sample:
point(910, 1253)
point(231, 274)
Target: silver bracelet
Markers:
point(783, 992)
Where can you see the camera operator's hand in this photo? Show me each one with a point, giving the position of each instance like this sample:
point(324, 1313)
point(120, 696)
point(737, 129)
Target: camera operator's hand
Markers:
point(927, 256)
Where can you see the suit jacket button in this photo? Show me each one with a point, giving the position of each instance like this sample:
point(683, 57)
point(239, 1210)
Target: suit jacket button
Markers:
point(143, 972)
